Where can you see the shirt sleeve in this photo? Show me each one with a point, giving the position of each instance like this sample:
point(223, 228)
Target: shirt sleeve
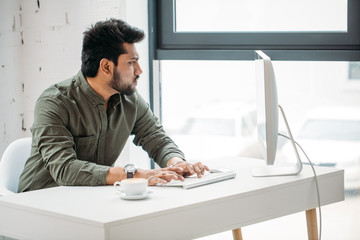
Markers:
point(150, 134)
point(57, 148)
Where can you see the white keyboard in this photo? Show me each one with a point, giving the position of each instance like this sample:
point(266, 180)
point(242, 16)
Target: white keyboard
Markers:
point(215, 175)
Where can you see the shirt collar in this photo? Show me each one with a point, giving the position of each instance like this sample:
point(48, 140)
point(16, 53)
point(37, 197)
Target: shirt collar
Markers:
point(96, 98)
point(87, 89)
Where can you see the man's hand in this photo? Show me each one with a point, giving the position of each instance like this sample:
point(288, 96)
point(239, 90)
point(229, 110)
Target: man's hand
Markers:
point(176, 169)
point(154, 176)
point(163, 175)
point(186, 168)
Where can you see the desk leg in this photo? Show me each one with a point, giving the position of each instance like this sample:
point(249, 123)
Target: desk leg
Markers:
point(237, 234)
point(311, 222)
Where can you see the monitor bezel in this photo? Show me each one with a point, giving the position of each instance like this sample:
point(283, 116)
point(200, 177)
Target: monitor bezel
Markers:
point(267, 106)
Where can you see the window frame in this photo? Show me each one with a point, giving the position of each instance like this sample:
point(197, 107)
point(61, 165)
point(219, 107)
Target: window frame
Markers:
point(324, 46)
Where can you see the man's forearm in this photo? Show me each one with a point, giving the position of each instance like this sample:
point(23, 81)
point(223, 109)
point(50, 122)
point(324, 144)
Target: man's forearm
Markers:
point(116, 174)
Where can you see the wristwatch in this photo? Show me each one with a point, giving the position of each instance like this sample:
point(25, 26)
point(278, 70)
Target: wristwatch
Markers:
point(130, 170)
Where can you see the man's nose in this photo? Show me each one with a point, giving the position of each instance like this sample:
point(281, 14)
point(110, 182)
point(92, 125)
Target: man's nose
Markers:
point(138, 69)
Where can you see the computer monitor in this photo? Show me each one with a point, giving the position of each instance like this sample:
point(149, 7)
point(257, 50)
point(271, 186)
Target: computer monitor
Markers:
point(268, 120)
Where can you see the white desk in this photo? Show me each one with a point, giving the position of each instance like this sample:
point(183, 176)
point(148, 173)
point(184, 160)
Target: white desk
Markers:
point(170, 213)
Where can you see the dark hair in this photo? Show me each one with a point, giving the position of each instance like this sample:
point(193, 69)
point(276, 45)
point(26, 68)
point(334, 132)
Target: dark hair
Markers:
point(105, 40)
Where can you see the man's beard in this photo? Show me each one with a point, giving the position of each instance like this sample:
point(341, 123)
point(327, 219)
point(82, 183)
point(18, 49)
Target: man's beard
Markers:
point(117, 84)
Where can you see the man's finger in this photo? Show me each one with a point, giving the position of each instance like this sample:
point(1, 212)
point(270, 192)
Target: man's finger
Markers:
point(197, 171)
point(201, 167)
point(173, 176)
point(175, 169)
point(170, 175)
point(154, 180)
point(206, 167)
point(191, 169)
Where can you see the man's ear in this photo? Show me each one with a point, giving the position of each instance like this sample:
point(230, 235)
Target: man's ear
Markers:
point(106, 67)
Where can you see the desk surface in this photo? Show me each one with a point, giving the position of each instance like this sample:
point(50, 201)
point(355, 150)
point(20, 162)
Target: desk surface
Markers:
point(169, 213)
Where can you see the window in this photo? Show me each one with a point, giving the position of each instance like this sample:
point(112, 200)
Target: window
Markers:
point(217, 99)
point(229, 30)
point(260, 16)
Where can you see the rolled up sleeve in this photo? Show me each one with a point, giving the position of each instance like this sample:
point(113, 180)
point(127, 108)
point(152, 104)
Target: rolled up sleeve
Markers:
point(150, 134)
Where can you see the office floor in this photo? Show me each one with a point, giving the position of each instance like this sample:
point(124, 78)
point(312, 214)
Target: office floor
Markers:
point(339, 221)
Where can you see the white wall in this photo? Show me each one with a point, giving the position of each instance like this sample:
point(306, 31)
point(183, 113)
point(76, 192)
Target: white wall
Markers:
point(11, 90)
point(40, 44)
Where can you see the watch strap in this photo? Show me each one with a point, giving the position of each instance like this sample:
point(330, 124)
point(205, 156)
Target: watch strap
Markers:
point(129, 174)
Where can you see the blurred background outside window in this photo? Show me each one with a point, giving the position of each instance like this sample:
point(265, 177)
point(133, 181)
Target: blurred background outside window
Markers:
point(209, 109)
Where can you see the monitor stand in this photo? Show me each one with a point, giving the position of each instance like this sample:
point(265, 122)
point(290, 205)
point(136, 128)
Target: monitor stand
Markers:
point(271, 170)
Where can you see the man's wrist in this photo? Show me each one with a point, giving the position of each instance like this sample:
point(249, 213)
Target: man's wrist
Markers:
point(114, 174)
point(130, 170)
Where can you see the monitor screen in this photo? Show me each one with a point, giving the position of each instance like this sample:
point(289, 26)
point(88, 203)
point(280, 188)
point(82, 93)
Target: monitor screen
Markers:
point(267, 106)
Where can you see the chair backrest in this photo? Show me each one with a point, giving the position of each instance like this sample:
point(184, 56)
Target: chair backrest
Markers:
point(12, 164)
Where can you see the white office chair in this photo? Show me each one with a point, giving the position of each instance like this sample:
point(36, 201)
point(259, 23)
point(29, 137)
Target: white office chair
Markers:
point(12, 164)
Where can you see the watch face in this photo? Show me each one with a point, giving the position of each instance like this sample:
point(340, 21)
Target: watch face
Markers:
point(130, 168)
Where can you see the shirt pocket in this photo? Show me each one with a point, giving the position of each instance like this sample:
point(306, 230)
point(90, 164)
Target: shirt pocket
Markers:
point(86, 148)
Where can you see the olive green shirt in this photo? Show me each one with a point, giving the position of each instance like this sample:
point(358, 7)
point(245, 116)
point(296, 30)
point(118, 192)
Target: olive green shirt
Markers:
point(75, 139)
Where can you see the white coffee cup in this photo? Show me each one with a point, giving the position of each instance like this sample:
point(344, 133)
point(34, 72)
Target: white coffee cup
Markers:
point(132, 186)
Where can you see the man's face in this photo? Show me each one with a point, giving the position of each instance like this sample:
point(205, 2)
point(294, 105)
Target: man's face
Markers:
point(127, 72)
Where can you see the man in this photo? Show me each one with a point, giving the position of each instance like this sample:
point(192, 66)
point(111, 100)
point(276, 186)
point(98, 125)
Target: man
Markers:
point(82, 124)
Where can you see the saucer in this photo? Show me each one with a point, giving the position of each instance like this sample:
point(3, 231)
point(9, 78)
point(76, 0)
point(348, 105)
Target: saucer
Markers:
point(135, 197)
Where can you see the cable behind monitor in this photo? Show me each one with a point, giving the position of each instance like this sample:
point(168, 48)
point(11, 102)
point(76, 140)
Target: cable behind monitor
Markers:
point(316, 182)
point(271, 171)
point(268, 171)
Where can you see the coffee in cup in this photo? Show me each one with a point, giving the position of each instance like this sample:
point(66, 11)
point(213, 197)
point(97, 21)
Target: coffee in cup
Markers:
point(132, 186)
